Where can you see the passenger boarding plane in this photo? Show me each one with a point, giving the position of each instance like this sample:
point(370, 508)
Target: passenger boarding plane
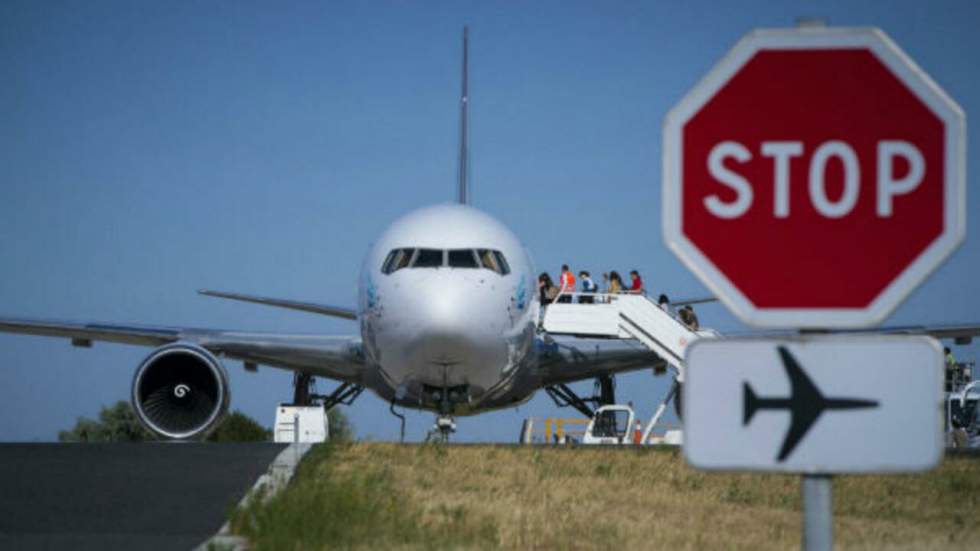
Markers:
point(449, 319)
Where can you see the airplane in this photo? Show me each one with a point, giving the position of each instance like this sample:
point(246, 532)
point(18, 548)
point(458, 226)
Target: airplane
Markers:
point(448, 315)
point(448, 312)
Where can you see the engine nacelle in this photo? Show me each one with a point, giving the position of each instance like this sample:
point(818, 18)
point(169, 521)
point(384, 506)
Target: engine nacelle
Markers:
point(180, 391)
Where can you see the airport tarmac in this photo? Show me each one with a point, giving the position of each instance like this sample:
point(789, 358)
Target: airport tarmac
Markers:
point(122, 496)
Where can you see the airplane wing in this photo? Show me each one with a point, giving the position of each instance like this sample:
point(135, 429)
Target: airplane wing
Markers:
point(693, 300)
point(338, 358)
point(960, 333)
point(570, 359)
point(313, 307)
point(566, 359)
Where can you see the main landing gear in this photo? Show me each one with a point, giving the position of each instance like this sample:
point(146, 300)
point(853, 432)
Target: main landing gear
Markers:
point(603, 394)
point(304, 392)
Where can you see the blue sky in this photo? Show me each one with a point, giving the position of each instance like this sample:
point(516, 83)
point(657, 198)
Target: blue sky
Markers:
point(148, 150)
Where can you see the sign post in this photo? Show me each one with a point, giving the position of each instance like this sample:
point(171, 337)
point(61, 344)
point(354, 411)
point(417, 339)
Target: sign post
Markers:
point(818, 518)
point(816, 405)
point(812, 180)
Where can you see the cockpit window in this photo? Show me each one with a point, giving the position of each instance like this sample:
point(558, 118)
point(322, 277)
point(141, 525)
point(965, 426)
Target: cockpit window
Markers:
point(386, 267)
point(487, 260)
point(502, 262)
point(455, 258)
point(462, 258)
point(397, 259)
point(428, 258)
point(493, 260)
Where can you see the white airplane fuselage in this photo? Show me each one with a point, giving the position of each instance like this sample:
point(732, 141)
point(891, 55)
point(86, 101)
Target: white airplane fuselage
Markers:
point(460, 323)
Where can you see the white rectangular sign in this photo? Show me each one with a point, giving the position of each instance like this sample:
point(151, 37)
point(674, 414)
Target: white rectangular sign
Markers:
point(829, 404)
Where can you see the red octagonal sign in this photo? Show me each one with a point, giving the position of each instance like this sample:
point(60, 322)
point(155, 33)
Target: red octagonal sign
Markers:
point(814, 177)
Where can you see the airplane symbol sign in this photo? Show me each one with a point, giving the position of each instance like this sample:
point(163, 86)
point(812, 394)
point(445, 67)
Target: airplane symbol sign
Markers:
point(805, 403)
point(814, 404)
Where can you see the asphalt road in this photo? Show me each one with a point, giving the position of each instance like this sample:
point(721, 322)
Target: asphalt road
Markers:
point(122, 496)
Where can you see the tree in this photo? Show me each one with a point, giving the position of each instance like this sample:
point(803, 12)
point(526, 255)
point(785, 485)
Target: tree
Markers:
point(341, 429)
point(238, 427)
point(118, 423)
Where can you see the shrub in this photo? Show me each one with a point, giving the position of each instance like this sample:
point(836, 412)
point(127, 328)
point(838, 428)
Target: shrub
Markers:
point(341, 429)
point(118, 423)
point(238, 427)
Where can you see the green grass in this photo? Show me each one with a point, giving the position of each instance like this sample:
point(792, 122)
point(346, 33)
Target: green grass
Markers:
point(359, 509)
point(370, 496)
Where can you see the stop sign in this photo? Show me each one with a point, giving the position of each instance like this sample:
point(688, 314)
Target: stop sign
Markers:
point(814, 177)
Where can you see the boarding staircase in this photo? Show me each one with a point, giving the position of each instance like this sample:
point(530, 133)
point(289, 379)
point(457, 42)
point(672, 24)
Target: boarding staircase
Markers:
point(625, 316)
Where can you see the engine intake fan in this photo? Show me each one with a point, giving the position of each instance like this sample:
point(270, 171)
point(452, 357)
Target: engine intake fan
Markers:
point(180, 391)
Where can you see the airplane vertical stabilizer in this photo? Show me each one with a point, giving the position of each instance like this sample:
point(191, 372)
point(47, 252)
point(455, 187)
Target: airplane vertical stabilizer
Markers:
point(462, 194)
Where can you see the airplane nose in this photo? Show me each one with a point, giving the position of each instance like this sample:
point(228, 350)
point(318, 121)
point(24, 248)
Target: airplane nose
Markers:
point(444, 327)
point(451, 319)
point(442, 348)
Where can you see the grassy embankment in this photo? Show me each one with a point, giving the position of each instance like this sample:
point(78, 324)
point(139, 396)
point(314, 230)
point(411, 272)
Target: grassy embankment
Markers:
point(384, 496)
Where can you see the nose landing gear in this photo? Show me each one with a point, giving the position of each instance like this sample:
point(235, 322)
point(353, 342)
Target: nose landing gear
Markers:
point(445, 425)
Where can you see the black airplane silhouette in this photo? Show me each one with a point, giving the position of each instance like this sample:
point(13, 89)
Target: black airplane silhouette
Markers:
point(805, 403)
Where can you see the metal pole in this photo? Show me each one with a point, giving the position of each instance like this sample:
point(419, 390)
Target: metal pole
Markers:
point(818, 518)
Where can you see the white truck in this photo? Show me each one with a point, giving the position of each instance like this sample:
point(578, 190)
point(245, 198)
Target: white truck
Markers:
point(614, 425)
point(618, 425)
point(963, 417)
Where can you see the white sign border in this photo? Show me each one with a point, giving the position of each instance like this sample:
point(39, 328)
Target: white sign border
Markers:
point(874, 466)
point(954, 230)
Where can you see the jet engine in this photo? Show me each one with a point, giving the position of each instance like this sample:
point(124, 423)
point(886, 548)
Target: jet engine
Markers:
point(180, 391)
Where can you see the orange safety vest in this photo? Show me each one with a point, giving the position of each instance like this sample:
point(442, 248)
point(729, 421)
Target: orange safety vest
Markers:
point(567, 282)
